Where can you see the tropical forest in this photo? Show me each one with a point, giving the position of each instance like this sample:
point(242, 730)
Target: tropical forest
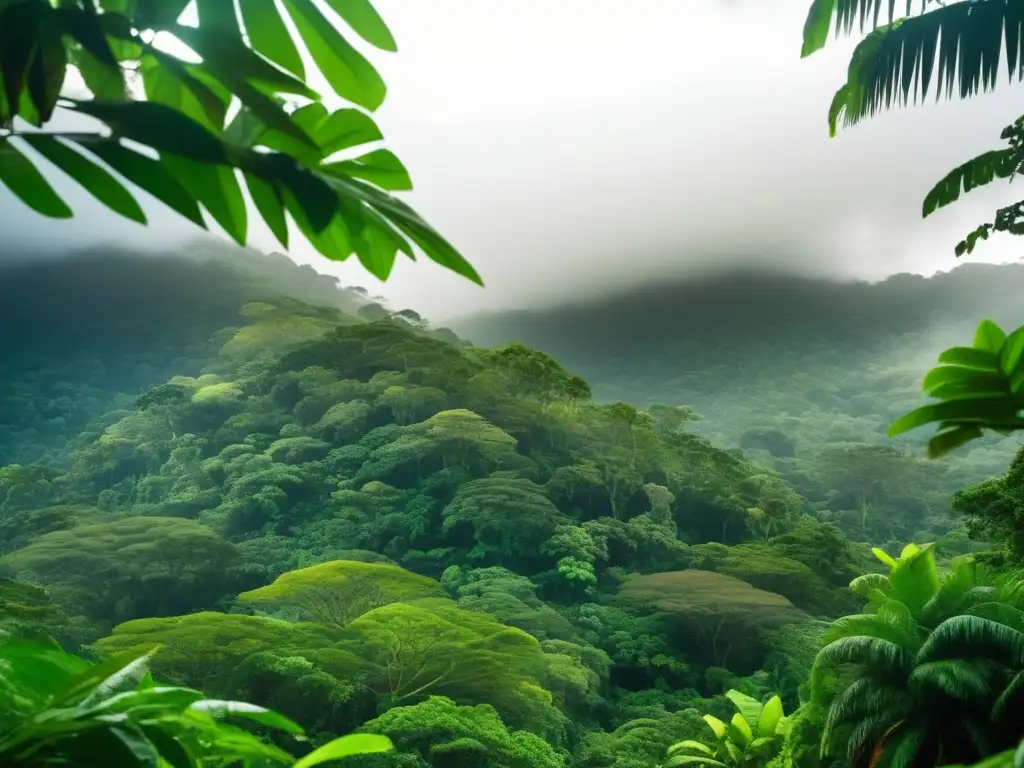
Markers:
point(254, 515)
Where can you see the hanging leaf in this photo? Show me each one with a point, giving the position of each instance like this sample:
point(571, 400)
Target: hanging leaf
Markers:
point(20, 175)
point(346, 746)
point(269, 35)
point(94, 179)
point(364, 19)
point(350, 75)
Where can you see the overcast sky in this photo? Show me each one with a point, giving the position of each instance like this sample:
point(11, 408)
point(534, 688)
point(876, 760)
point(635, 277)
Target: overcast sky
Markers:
point(568, 146)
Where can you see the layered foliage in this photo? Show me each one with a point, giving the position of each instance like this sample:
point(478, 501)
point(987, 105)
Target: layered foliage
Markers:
point(244, 112)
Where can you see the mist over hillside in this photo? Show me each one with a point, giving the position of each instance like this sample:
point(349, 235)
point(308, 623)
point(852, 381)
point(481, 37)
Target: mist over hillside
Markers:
point(824, 362)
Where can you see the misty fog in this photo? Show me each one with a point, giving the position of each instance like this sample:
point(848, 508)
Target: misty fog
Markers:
point(570, 147)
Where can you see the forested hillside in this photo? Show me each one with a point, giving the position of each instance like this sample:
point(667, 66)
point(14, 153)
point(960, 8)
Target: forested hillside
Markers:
point(308, 501)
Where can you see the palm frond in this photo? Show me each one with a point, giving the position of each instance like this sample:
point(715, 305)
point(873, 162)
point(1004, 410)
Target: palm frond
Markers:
point(976, 172)
point(864, 696)
point(903, 748)
point(847, 13)
point(956, 678)
point(1011, 699)
point(887, 624)
point(956, 46)
point(973, 636)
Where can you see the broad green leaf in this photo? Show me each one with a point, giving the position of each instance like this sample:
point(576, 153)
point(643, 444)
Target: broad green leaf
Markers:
point(771, 714)
point(87, 29)
point(748, 706)
point(971, 357)
point(375, 242)
point(104, 678)
point(170, 749)
point(261, 715)
point(95, 179)
point(216, 188)
point(21, 176)
point(346, 746)
point(147, 174)
point(739, 731)
point(716, 725)
point(269, 35)
point(966, 378)
point(950, 439)
point(349, 74)
point(915, 579)
point(364, 19)
point(1010, 356)
point(318, 199)
point(762, 743)
point(344, 129)
point(122, 744)
point(381, 168)
point(982, 412)
point(269, 203)
point(160, 127)
point(989, 337)
point(38, 670)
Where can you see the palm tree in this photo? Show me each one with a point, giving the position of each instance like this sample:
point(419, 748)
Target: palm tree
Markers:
point(930, 673)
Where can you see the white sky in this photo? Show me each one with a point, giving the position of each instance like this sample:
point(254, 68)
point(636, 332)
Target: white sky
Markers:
point(567, 146)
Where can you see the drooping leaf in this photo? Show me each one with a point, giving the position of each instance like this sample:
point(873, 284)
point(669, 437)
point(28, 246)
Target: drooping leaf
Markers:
point(93, 178)
point(381, 168)
point(347, 71)
point(344, 129)
point(977, 172)
point(364, 19)
point(261, 715)
point(158, 126)
point(269, 35)
point(216, 187)
point(146, 173)
point(269, 201)
point(20, 175)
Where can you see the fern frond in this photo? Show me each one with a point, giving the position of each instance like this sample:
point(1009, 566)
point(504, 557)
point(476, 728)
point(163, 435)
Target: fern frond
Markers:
point(872, 652)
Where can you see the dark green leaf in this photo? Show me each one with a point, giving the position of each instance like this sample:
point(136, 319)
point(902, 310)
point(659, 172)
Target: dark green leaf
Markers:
point(949, 439)
point(269, 202)
point(982, 381)
point(364, 19)
point(19, 33)
point(982, 412)
point(20, 175)
point(977, 172)
point(332, 242)
point(106, 84)
point(350, 75)
point(96, 180)
point(169, 748)
point(48, 67)
point(219, 16)
point(147, 174)
point(87, 30)
point(269, 35)
point(160, 127)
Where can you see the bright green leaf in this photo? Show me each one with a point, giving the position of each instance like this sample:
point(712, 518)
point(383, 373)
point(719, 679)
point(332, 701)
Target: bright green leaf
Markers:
point(346, 746)
point(364, 19)
point(21, 176)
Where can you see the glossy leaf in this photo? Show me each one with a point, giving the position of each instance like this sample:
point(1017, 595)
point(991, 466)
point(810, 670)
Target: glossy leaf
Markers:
point(20, 175)
point(771, 716)
point(381, 168)
point(364, 19)
point(344, 129)
point(989, 337)
point(347, 71)
point(346, 746)
point(261, 715)
point(216, 187)
point(269, 35)
point(92, 177)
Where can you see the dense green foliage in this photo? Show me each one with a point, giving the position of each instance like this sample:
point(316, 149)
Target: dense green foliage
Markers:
point(211, 101)
point(335, 512)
